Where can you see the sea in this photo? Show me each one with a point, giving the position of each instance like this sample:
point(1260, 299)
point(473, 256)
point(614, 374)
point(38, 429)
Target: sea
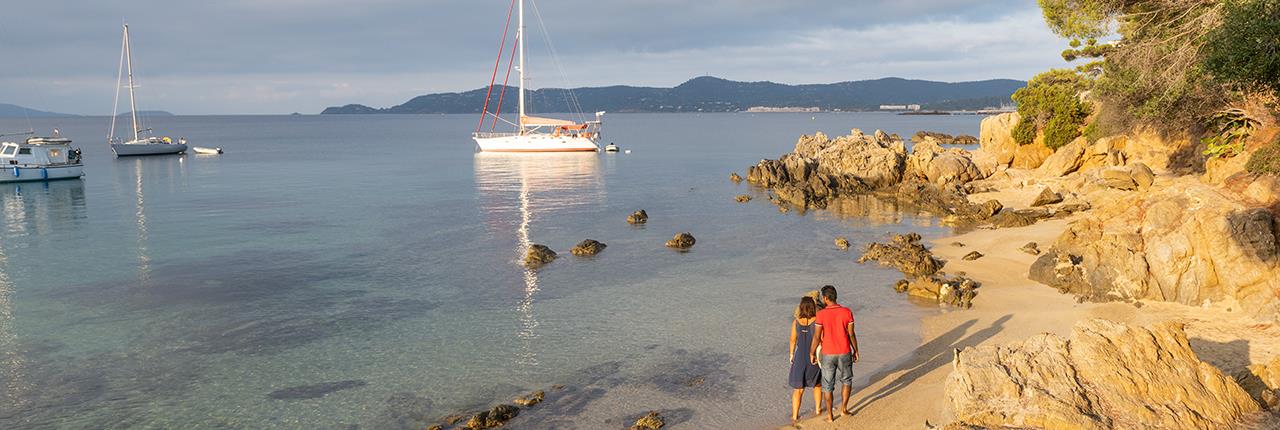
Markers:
point(344, 272)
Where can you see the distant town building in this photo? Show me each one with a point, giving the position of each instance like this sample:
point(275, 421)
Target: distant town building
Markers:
point(758, 109)
point(893, 107)
point(913, 107)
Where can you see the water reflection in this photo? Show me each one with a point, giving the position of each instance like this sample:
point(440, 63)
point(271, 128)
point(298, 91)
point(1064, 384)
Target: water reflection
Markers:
point(517, 190)
point(39, 208)
point(12, 364)
point(140, 218)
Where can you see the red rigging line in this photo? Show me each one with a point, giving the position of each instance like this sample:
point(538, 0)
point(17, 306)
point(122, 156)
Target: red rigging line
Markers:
point(501, 47)
point(503, 94)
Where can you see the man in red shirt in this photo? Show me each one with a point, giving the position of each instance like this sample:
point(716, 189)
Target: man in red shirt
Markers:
point(839, 350)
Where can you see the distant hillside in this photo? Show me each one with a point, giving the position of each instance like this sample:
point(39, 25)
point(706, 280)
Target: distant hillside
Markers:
point(150, 113)
point(15, 111)
point(710, 94)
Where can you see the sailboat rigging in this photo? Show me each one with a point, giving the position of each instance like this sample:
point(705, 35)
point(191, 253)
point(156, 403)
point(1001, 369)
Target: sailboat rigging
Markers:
point(139, 145)
point(531, 134)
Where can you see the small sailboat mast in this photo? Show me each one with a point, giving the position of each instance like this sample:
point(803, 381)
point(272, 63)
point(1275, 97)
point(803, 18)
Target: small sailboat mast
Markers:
point(133, 104)
point(520, 39)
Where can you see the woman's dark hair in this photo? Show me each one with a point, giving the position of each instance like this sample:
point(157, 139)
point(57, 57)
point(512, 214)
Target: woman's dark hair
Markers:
point(807, 308)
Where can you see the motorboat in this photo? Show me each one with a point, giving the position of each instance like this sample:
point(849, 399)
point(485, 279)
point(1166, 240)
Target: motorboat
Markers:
point(531, 133)
point(40, 159)
point(139, 145)
point(611, 148)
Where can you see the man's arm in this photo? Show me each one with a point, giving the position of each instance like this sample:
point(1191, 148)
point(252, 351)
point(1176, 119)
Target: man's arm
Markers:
point(853, 342)
point(813, 347)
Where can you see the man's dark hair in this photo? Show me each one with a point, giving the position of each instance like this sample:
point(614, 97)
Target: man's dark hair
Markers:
point(828, 294)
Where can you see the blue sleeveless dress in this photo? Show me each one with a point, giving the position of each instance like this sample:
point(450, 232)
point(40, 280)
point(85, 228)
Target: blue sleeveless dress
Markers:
point(803, 373)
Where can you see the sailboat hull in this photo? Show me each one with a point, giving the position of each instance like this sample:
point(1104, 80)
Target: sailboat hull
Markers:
point(127, 149)
point(534, 143)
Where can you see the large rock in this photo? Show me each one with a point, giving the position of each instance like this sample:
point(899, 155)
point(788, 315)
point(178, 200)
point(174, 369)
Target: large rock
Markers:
point(875, 160)
point(1181, 241)
point(1106, 376)
point(1047, 197)
point(650, 421)
point(638, 217)
point(942, 167)
point(955, 291)
point(538, 256)
point(587, 248)
point(904, 252)
point(496, 417)
point(1031, 156)
point(1065, 160)
point(682, 241)
point(1118, 178)
point(996, 137)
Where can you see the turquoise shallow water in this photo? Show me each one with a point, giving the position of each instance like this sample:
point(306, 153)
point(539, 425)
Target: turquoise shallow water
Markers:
point(375, 259)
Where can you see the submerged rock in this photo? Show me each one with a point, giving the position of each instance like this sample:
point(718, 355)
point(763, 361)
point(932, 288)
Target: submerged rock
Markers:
point(842, 243)
point(1105, 376)
point(538, 255)
point(905, 253)
point(496, 417)
point(531, 399)
point(973, 255)
point(315, 391)
point(742, 198)
point(681, 241)
point(651, 421)
point(735, 178)
point(587, 247)
point(638, 217)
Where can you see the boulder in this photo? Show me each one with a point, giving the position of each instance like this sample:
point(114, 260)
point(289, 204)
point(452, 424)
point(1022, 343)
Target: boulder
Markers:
point(735, 178)
point(956, 291)
point(587, 247)
point(1142, 175)
point(1010, 218)
point(638, 217)
point(650, 421)
point(1105, 376)
point(1118, 178)
point(1047, 197)
point(538, 255)
point(1030, 248)
point(972, 255)
point(496, 417)
point(1032, 155)
point(1065, 160)
point(904, 252)
point(875, 160)
point(989, 208)
point(996, 137)
point(842, 243)
point(939, 166)
point(681, 241)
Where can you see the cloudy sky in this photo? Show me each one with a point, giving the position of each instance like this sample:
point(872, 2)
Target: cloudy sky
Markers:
point(281, 56)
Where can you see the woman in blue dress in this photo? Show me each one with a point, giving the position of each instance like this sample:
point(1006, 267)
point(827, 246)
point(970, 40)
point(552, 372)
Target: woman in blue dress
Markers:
point(804, 373)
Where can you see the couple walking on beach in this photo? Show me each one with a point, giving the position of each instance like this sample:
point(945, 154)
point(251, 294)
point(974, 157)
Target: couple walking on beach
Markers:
point(823, 349)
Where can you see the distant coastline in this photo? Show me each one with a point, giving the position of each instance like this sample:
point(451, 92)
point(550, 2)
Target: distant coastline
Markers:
point(711, 94)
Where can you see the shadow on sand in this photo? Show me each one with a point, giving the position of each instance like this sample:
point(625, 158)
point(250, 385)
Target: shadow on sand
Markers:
point(928, 357)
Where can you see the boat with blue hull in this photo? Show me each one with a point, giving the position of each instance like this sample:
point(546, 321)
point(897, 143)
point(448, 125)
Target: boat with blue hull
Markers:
point(40, 159)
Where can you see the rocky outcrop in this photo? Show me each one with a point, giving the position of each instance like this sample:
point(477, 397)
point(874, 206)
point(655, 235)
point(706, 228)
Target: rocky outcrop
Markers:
point(941, 289)
point(943, 138)
point(997, 137)
point(496, 417)
point(587, 248)
point(1065, 160)
point(638, 217)
point(1047, 197)
point(531, 399)
point(1105, 376)
point(942, 167)
point(681, 241)
point(905, 253)
point(538, 256)
point(1182, 241)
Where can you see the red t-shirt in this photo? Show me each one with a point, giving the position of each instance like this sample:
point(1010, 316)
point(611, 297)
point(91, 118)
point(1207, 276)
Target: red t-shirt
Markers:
point(835, 320)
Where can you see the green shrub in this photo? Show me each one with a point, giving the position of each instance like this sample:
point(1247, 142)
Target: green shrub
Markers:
point(1245, 49)
point(1093, 132)
point(1230, 128)
point(1025, 132)
point(1266, 160)
point(1060, 131)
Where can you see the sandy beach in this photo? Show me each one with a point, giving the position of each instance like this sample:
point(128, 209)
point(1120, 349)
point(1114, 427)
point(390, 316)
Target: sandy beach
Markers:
point(1011, 308)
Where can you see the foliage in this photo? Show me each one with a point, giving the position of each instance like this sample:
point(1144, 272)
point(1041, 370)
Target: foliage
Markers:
point(1245, 49)
point(1051, 103)
point(1230, 129)
point(1092, 132)
point(1266, 160)
point(1080, 18)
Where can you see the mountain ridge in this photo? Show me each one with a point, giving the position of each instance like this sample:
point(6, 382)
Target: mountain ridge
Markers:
point(712, 94)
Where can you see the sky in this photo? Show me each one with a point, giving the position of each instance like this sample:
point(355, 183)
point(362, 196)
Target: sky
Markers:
point(283, 56)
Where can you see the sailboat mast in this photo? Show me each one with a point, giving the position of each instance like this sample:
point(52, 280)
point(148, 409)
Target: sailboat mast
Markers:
point(133, 105)
point(520, 38)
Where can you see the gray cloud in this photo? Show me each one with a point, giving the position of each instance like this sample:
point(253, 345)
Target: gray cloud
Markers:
point(278, 56)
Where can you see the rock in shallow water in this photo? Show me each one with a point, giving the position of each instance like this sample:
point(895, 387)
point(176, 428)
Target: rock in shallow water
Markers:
point(905, 253)
point(587, 248)
point(842, 243)
point(681, 241)
point(651, 421)
point(538, 255)
point(742, 198)
point(1105, 376)
point(315, 391)
point(495, 417)
point(735, 178)
point(531, 399)
point(638, 217)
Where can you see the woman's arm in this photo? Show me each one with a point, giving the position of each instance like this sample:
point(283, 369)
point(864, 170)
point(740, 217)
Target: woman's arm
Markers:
point(791, 351)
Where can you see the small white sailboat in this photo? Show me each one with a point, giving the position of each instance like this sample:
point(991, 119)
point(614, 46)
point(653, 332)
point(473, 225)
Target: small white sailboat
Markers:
point(139, 145)
point(206, 151)
point(534, 134)
point(40, 159)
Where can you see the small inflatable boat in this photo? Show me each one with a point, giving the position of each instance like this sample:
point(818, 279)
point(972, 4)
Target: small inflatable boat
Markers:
point(207, 151)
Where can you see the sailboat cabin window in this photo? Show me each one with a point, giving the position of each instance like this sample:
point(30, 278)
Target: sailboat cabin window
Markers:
point(24, 151)
point(8, 150)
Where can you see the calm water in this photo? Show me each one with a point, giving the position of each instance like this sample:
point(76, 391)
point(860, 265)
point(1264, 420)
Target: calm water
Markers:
point(380, 254)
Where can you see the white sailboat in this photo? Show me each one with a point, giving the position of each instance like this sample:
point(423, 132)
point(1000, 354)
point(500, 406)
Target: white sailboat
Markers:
point(139, 145)
point(535, 134)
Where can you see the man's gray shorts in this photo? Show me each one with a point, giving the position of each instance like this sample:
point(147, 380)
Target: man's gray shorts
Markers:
point(833, 364)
